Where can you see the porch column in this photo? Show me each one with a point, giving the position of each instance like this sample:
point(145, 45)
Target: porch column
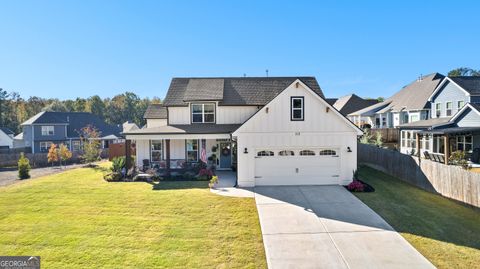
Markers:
point(418, 145)
point(167, 155)
point(447, 148)
point(128, 153)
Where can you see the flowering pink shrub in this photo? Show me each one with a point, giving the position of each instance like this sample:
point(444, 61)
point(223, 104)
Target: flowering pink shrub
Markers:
point(356, 186)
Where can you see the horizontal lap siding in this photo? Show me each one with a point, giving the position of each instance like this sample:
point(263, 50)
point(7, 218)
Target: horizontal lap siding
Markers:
point(450, 181)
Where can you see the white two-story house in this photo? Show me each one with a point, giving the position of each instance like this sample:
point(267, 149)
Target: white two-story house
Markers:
point(273, 130)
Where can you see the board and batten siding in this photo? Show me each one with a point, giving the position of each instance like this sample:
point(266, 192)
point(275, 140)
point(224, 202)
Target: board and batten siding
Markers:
point(275, 130)
point(449, 92)
point(223, 114)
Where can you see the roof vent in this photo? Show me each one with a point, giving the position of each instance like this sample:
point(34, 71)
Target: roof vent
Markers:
point(420, 78)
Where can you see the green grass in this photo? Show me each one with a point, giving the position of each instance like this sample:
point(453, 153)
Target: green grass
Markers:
point(445, 232)
point(77, 220)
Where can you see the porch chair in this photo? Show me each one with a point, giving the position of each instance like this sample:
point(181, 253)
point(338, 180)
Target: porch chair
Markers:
point(146, 164)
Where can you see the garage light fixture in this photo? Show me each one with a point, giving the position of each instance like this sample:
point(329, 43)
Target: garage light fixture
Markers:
point(245, 151)
point(349, 149)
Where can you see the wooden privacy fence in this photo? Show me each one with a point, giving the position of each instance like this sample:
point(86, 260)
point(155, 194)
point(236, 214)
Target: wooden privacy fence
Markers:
point(118, 150)
point(389, 135)
point(447, 180)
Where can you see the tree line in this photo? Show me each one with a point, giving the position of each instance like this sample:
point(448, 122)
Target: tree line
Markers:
point(14, 109)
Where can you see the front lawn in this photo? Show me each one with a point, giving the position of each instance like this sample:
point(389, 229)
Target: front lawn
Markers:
point(445, 232)
point(77, 220)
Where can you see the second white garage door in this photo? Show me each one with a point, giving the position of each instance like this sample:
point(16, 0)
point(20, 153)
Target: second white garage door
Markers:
point(297, 167)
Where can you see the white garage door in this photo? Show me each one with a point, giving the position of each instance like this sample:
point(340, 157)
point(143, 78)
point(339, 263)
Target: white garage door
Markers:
point(297, 167)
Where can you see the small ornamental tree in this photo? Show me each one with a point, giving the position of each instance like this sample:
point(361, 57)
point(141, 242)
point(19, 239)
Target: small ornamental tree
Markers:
point(23, 167)
point(52, 155)
point(90, 138)
point(64, 153)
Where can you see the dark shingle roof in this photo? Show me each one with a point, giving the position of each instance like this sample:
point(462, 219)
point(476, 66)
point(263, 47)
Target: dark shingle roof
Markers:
point(470, 84)
point(232, 91)
point(351, 103)
point(75, 121)
point(155, 111)
point(426, 123)
point(7, 131)
point(331, 101)
point(204, 128)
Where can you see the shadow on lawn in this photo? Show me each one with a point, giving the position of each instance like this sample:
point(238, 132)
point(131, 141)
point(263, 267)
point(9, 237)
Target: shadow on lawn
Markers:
point(178, 185)
point(412, 210)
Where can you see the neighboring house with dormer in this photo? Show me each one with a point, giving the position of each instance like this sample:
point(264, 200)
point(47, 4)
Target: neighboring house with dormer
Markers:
point(6, 138)
point(455, 122)
point(46, 127)
point(271, 130)
point(410, 104)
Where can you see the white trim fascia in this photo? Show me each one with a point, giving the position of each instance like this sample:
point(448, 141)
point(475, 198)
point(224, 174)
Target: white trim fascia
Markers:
point(462, 110)
point(177, 136)
point(351, 124)
point(441, 84)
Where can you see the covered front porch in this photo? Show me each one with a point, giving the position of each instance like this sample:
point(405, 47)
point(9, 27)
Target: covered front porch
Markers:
point(438, 144)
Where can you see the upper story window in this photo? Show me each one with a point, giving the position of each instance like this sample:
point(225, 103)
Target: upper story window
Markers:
point(460, 104)
point(297, 105)
point(449, 107)
point(438, 110)
point(203, 113)
point(48, 130)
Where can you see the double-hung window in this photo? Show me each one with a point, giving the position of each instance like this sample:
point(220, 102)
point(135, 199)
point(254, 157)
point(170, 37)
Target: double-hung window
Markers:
point(44, 146)
point(448, 108)
point(203, 113)
point(48, 130)
point(464, 143)
point(460, 104)
point(76, 145)
point(438, 110)
point(156, 151)
point(297, 106)
point(192, 150)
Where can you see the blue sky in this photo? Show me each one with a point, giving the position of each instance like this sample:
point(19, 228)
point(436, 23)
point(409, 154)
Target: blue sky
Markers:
point(67, 49)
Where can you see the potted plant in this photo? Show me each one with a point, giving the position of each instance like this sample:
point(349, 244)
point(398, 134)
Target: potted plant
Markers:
point(213, 182)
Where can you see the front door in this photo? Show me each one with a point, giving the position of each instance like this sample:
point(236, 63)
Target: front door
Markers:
point(225, 155)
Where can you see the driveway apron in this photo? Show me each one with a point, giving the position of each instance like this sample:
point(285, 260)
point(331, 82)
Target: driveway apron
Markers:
point(328, 227)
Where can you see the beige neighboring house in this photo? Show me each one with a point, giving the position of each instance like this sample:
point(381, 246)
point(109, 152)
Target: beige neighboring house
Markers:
point(410, 104)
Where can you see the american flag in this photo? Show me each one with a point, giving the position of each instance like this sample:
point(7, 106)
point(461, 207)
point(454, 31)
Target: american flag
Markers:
point(203, 152)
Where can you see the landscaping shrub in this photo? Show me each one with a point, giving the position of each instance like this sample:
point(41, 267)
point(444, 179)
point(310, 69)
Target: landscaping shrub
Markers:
point(204, 174)
point(356, 186)
point(113, 176)
point(213, 181)
point(118, 163)
point(23, 167)
point(459, 158)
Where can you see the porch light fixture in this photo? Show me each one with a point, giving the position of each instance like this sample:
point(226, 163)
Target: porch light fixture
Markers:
point(349, 149)
point(245, 151)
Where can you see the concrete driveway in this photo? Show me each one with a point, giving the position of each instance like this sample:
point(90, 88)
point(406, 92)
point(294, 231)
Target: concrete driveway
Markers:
point(328, 227)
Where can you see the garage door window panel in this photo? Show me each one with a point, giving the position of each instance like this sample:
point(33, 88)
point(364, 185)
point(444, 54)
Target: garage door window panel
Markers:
point(265, 153)
point(286, 153)
point(307, 152)
point(328, 152)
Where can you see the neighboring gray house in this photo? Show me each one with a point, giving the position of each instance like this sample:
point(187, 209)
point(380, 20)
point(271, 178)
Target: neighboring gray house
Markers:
point(410, 104)
point(45, 128)
point(454, 123)
point(350, 103)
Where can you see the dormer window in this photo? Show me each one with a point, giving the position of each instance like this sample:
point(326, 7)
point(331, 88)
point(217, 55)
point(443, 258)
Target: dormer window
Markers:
point(203, 113)
point(297, 107)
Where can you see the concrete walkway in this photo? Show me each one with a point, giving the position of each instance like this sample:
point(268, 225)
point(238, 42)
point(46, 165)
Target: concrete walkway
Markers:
point(225, 187)
point(328, 227)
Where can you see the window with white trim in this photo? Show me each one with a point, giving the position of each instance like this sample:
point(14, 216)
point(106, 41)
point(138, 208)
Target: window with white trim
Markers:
point(307, 152)
point(265, 153)
point(48, 130)
point(76, 145)
point(192, 150)
point(297, 108)
point(45, 145)
point(465, 143)
point(460, 104)
point(156, 150)
point(449, 108)
point(203, 113)
point(438, 110)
